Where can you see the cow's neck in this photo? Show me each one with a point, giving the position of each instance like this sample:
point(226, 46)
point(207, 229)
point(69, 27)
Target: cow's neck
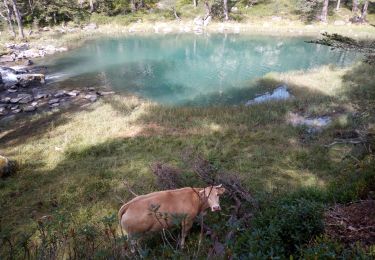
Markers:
point(203, 203)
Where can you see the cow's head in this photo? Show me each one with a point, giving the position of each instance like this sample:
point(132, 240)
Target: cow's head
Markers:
point(211, 195)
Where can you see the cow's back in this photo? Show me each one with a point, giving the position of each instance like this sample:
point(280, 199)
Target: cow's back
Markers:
point(146, 213)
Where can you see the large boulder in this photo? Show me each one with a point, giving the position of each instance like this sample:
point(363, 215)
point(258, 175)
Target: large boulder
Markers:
point(7, 167)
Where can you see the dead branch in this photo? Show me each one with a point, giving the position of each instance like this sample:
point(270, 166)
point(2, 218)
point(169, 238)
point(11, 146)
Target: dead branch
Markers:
point(129, 188)
point(168, 177)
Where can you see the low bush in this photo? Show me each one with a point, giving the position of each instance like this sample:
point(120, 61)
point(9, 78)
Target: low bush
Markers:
point(281, 229)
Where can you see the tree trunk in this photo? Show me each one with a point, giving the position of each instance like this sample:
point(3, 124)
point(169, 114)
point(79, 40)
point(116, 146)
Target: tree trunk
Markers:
point(355, 6)
point(364, 11)
point(323, 17)
point(133, 6)
point(19, 19)
point(8, 18)
point(225, 3)
point(338, 5)
point(92, 9)
point(208, 9)
point(195, 3)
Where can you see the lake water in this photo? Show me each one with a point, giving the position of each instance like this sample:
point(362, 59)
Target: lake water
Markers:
point(180, 69)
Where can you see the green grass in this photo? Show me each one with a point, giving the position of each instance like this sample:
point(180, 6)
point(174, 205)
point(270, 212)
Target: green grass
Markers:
point(73, 162)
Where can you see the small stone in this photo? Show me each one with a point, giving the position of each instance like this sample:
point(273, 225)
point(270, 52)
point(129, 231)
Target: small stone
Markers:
point(16, 111)
point(92, 97)
point(5, 99)
point(34, 104)
point(15, 100)
point(28, 63)
point(60, 93)
point(14, 107)
point(29, 108)
point(54, 105)
point(91, 89)
point(105, 93)
point(25, 98)
point(73, 93)
point(40, 96)
point(53, 101)
point(3, 111)
point(12, 90)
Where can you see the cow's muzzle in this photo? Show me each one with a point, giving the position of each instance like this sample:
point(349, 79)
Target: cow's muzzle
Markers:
point(215, 208)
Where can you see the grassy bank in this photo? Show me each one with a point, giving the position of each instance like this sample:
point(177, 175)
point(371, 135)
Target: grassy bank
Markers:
point(72, 163)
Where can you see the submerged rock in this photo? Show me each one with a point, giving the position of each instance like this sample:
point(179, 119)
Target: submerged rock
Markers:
point(313, 123)
point(280, 93)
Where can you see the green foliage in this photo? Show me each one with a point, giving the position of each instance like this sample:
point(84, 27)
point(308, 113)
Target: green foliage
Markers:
point(281, 228)
point(325, 248)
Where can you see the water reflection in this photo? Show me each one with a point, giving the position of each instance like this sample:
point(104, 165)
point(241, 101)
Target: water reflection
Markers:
point(174, 69)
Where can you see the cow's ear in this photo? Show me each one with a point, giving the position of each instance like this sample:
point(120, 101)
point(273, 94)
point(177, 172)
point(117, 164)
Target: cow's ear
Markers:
point(220, 190)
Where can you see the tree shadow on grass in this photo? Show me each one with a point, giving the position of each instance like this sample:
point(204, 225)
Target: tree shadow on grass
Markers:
point(25, 127)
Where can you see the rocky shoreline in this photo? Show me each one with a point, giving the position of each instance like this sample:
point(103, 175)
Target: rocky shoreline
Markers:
point(23, 90)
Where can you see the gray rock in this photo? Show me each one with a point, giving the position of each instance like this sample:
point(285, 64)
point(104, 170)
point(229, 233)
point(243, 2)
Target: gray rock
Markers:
point(92, 97)
point(16, 111)
point(106, 93)
point(60, 93)
point(73, 93)
point(53, 101)
point(3, 111)
point(28, 63)
point(34, 104)
point(29, 108)
point(15, 100)
point(12, 90)
point(27, 79)
point(40, 96)
point(14, 107)
point(7, 167)
point(54, 105)
point(17, 47)
point(25, 98)
point(6, 58)
point(6, 99)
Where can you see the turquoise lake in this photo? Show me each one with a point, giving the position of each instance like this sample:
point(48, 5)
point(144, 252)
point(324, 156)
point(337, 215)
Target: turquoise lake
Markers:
point(183, 69)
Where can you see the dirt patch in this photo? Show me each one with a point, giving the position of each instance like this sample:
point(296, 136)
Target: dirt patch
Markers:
point(352, 223)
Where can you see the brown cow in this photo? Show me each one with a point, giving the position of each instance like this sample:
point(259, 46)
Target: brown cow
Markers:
point(158, 210)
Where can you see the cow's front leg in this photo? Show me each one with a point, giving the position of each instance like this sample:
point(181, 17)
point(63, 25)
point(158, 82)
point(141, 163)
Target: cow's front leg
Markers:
point(186, 226)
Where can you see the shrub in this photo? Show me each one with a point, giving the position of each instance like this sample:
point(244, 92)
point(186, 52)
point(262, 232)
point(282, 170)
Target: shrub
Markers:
point(281, 229)
point(324, 248)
